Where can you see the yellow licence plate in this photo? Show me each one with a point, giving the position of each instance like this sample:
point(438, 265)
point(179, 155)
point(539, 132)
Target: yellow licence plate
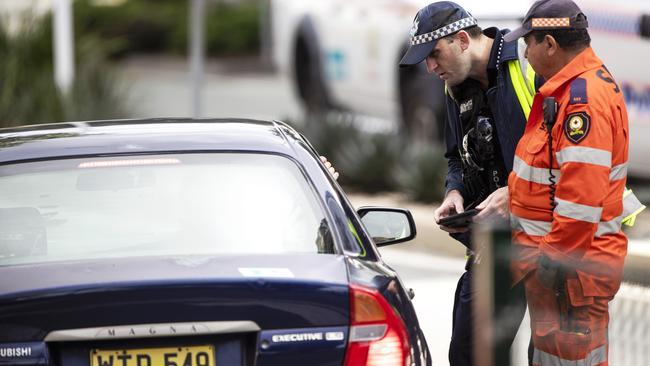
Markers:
point(169, 356)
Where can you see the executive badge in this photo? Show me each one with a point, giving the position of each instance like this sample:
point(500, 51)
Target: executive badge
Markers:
point(576, 126)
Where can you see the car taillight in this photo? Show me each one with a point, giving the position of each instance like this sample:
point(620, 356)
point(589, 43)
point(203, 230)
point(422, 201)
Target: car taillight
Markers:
point(377, 335)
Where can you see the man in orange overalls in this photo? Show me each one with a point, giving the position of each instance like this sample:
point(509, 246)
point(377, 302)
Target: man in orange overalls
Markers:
point(566, 189)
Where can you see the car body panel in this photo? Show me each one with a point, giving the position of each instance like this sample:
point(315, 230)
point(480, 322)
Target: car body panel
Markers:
point(285, 296)
point(162, 135)
point(51, 296)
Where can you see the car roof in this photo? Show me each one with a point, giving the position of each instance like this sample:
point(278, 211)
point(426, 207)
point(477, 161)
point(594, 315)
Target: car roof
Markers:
point(139, 136)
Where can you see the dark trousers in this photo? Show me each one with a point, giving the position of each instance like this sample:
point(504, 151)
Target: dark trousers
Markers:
point(461, 345)
point(509, 317)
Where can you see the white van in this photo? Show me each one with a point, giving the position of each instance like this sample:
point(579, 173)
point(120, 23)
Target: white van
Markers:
point(345, 53)
point(620, 34)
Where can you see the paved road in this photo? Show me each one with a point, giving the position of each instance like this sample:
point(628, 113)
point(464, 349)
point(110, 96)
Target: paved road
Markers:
point(433, 278)
point(161, 88)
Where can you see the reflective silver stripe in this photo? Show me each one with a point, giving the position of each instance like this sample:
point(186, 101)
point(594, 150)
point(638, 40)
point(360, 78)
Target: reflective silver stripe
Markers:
point(595, 357)
point(631, 204)
point(532, 174)
point(541, 228)
point(618, 172)
point(609, 227)
point(577, 211)
point(530, 227)
point(589, 155)
point(541, 176)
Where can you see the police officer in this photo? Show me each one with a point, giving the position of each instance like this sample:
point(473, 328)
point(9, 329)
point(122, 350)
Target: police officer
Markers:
point(489, 90)
point(566, 189)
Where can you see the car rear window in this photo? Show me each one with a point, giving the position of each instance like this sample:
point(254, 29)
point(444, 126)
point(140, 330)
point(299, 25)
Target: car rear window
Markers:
point(182, 204)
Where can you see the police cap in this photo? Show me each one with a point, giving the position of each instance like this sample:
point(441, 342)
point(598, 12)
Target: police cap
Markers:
point(550, 14)
point(434, 21)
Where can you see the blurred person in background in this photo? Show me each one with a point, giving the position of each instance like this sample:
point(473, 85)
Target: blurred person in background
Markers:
point(489, 90)
point(566, 190)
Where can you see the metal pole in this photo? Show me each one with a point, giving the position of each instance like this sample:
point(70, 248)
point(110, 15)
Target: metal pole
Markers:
point(63, 44)
point(492, 280)
point(197, 54)
point(265, 32)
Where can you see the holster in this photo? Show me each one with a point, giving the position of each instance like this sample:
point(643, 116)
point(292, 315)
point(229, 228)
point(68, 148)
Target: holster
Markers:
point(553, 275)
point(477, 190)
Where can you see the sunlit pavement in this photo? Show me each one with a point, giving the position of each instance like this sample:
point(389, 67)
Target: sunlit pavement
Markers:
point(433, 279)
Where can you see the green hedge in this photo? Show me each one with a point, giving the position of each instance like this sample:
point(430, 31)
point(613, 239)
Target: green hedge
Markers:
point(377, 162)
point(28, 93)
point(161, 26)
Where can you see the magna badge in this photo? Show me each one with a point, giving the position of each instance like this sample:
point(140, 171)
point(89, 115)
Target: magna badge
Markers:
point(576, 126)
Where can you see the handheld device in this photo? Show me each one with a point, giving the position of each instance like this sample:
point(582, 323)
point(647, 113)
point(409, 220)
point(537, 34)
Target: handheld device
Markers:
point(462, 219)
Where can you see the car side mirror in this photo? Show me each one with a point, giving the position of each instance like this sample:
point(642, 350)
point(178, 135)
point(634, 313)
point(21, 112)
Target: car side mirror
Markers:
point(388, 225)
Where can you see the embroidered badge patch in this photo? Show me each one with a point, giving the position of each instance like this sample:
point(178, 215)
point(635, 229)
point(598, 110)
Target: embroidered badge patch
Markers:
point(576, 126)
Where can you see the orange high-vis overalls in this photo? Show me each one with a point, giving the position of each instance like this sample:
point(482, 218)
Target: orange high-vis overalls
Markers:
point(583, 231)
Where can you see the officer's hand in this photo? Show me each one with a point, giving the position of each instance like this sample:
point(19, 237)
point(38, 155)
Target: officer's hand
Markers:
point(452, 204)
point(548, 272)
point(495, 206)
point(330, 167)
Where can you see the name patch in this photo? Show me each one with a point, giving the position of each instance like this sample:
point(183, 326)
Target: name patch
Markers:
point(466, 106)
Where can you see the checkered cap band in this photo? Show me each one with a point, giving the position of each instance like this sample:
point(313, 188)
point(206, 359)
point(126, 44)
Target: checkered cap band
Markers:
point(443, 31)
point(551, 23)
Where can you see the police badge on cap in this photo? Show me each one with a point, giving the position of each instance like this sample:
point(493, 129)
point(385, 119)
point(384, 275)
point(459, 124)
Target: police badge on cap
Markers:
point(414, 28)
point(434, 21)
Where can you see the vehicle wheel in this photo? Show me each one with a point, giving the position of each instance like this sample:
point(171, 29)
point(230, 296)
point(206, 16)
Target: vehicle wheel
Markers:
point(423, 109)
point(308, 78)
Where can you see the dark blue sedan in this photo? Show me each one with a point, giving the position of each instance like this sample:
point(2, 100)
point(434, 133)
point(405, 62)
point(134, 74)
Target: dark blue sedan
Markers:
point(192, 243)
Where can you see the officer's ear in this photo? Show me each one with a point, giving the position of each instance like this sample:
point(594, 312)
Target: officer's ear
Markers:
point(550, 45)
point(463, 39)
